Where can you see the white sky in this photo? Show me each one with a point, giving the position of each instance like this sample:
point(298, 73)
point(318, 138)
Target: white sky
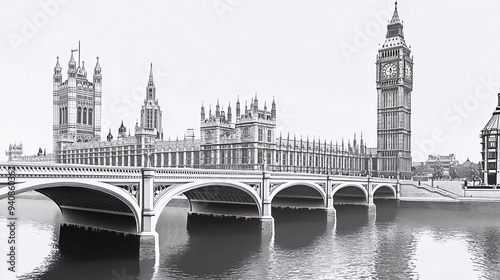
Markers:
point(292, 50)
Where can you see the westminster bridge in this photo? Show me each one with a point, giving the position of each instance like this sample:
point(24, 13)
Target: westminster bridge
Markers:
point(128, 201)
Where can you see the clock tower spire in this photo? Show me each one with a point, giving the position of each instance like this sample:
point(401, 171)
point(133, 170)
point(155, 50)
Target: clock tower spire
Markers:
point(394, 87)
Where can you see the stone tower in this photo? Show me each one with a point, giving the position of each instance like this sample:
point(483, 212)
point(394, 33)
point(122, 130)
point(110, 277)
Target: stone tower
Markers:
point(394, 87)
point(76, 104)
point(151, 114)
point(490, 145)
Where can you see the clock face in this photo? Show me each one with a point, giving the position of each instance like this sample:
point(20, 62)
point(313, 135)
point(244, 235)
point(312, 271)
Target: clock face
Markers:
point(389, 70)
point(408, 71)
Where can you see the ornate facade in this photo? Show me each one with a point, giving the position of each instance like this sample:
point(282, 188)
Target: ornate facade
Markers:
point(247, 141)
point(76, 104)
point(394, 87)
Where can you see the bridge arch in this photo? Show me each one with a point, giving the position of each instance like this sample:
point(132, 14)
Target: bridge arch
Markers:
point(189, 190)
point(292, 190)
point(111, 201)
point(387, 188)
point(350, 193)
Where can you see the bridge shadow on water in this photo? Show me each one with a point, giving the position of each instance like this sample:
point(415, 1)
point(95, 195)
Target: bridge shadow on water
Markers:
point(87, 254)
point(387, 209)
point(216, 246)
point(351, 218)
point(298, 228)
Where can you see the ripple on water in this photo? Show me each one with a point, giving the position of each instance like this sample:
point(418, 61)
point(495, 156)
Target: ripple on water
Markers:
point(405, 241)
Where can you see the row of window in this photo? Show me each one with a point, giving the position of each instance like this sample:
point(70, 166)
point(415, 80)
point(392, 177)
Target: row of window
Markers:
point(84, 116)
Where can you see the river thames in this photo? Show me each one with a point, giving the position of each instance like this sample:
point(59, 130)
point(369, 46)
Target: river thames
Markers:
point(404, 240)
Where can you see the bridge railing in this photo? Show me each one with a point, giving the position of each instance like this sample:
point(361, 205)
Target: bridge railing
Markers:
point(78, 170)
point(67, 170)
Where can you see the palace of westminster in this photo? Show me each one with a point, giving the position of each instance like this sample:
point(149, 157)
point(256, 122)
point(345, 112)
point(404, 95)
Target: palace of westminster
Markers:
point(245, 138)
point(239, 138)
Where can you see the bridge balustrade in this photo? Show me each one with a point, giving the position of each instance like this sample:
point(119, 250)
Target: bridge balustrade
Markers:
point(146, 191)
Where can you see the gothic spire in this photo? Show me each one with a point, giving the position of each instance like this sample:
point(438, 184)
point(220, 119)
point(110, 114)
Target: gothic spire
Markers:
point(395, 28)
point(395, 16)
point(151, 72)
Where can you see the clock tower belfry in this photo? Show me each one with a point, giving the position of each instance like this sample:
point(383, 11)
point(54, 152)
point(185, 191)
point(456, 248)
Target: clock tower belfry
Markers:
point(394, 87)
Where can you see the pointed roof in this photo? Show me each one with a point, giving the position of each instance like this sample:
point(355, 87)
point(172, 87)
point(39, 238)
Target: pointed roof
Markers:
point(84, 72)
point(72, 61)
point(493, 124)
point(122, 128)
point(97, 68)
point(57, 68)
point(395, 17)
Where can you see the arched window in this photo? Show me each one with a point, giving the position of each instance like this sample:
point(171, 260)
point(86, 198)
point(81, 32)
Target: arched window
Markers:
point(60, 115)
point(90, 116)
point(84, 115)
point(65, 115)
point(79, 115)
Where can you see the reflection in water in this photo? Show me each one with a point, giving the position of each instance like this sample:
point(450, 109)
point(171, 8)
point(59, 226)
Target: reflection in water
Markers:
point(217, 246)
point(298, 228)
point(351, 218)
point(387, 210)
point(407, 240)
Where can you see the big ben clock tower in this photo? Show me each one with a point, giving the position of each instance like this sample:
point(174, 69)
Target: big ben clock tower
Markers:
point(394, 86)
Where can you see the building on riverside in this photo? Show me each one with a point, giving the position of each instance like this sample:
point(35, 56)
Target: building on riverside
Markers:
point(245, 139)
point(490, 135)
point(16, 153)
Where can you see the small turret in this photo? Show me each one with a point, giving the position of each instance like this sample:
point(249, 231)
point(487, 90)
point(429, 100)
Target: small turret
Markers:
point(97, 73)
point(202, 114)
point(273, 110)
point(84, 72)
point(72, 62)
point(72, 66)
point(217, 109)
point(97, 68)
point(229, 113)
point(122, 131)
point(110, 136)
point(255, 104)
point(57, 72)
point(238, 112)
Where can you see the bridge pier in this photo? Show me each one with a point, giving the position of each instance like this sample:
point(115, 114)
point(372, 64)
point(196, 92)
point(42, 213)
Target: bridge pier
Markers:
point(372, 214)
point(149, 248)
point(266, 219)
point(331, 213)
point(148, 237)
